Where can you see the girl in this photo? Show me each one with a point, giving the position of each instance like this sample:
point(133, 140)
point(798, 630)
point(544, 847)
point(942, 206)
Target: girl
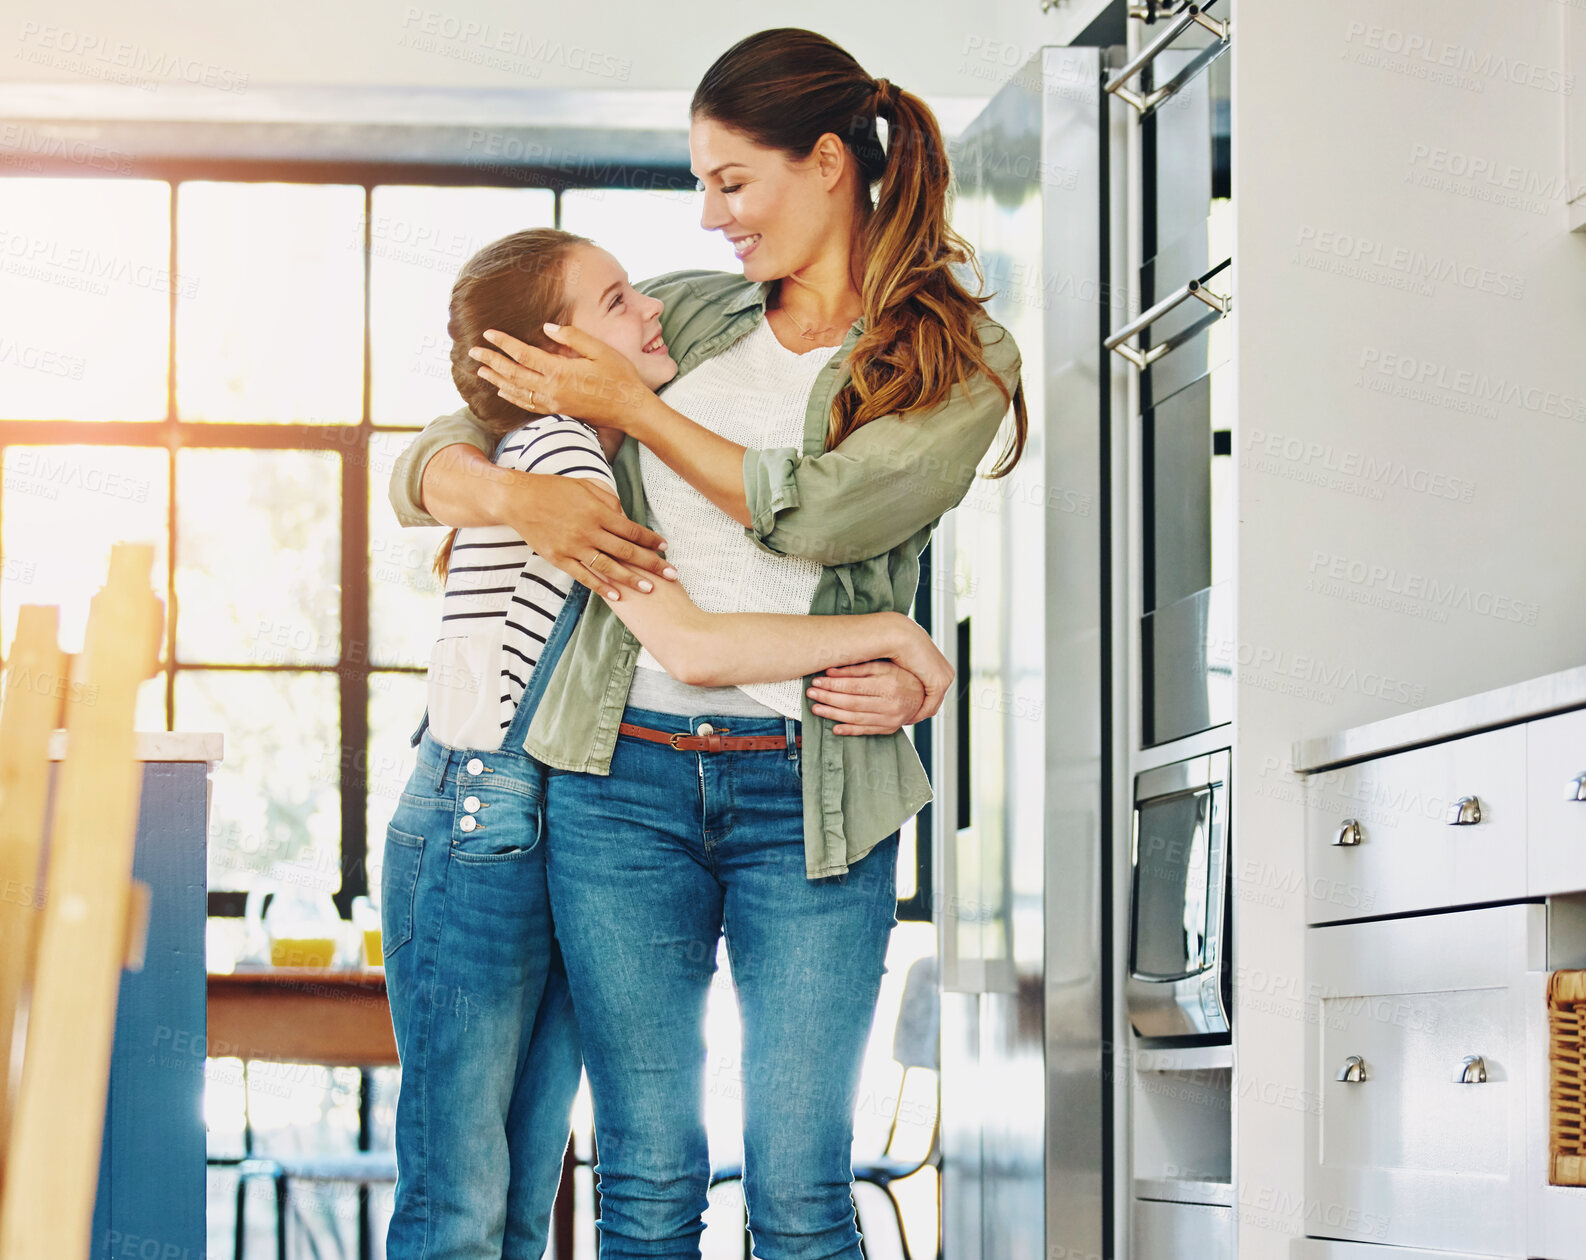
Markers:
point(479, 999)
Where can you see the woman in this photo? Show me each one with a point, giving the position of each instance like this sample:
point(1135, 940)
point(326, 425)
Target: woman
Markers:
point(658, 838)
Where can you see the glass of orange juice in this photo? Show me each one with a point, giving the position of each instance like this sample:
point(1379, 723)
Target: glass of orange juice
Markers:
point(302, 951)
point(366, 919)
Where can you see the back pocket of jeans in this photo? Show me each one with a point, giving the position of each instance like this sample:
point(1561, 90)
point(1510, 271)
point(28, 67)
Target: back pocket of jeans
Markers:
point(399, 881)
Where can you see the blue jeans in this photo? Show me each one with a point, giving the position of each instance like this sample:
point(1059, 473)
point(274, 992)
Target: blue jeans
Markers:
point(479, 1000)
point(647, 868)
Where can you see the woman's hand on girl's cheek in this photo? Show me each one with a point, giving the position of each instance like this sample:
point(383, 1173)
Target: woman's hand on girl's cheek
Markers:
point(516, 369)
point(870, 698)
point(596, 384)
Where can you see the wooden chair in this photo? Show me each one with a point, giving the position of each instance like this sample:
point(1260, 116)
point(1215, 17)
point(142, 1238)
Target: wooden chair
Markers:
point(61, 964)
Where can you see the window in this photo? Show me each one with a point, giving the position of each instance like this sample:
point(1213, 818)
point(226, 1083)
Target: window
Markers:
point(229, 367)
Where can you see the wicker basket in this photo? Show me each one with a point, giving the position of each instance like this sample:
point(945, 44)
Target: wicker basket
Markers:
point(1566, 1018)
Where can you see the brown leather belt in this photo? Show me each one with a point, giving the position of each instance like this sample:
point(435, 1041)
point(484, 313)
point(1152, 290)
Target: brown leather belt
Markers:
point(716, 741)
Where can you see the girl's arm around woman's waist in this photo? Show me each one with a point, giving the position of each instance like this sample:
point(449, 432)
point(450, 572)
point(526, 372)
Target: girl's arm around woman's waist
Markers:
point(729, 649)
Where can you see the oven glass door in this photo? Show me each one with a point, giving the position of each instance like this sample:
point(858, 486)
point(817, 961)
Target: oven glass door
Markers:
point(1172, 894)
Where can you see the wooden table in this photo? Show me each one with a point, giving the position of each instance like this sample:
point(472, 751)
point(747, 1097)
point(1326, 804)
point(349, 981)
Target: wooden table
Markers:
point(333, 1017)
point(339, 1018)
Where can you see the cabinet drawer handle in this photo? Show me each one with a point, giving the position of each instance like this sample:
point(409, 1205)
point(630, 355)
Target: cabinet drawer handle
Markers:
point(1353, 1071)
point(1463, 812)
point(1575, 790)
point(1472, 1071)
point(1349, 833)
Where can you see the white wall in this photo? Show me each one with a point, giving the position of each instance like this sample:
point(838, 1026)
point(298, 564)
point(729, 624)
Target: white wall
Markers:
point(1352, 174)
point(936, 47)
point(1575, 124)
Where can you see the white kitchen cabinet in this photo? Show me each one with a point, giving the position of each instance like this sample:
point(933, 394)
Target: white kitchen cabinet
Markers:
point(1422, 1144)
point(1555, 816)
point(1380, 836)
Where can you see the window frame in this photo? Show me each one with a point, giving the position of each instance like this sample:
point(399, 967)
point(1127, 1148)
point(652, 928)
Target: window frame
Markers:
point(350, 442)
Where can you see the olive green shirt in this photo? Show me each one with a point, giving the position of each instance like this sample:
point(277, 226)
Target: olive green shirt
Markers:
point(864, 510)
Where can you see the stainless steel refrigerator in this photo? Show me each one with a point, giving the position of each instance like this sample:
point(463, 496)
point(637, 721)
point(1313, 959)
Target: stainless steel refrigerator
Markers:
point(1080, 610)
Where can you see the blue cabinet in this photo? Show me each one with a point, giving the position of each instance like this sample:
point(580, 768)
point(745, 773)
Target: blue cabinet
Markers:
point(151, 1177)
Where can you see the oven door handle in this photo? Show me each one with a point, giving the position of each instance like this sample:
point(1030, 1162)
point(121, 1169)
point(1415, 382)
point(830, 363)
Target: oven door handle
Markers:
point(1190, 14)
point(1143, 359)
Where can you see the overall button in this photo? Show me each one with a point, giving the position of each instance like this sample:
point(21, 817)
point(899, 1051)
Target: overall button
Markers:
point(471, 804)
point(468, 822)
point(475, 766)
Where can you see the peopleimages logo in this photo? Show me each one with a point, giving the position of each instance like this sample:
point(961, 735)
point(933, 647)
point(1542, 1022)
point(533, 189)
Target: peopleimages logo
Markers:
point(1468, 383)
point(120, 60)
point(1428, 49)
point(76, 266)
point(1266, 668)
point(20, 141)
point(1415, 265)
point(502, 48)
point(39, 359)
point(1279, 454)
point(1329, 571)
point(1505, 176)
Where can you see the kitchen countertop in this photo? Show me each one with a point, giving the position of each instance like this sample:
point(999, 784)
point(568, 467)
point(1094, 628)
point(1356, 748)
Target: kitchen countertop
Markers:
point(1502, 706)
point(159, 745)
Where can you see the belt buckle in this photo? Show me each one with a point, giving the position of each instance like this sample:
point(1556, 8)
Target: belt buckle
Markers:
point(712, 741)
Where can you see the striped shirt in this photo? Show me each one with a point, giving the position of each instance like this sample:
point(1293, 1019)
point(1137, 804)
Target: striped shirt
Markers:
point(502, 597)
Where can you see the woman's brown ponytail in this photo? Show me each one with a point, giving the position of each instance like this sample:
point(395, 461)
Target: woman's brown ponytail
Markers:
point(785, 88)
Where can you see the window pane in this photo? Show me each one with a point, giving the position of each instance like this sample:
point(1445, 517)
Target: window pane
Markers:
point(419, 239)
point(275, 811)
point(84, 298)
point(647, 231)
point(149, 712)
point(64, 506)
point(396, 703)
point(404, 590)
point(270, 327)
point(258, 566)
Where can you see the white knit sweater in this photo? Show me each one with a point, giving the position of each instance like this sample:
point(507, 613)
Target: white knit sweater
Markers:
point(754, 393)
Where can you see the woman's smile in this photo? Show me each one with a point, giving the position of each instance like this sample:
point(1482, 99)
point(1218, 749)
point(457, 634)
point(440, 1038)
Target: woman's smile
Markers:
point(743, 246)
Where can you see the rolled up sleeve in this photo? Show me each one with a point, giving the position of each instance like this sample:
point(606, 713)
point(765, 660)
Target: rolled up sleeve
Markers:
point(407, 475)
point(883, 483)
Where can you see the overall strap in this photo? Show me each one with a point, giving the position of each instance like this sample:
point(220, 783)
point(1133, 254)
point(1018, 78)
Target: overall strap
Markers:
point(540, 675)
point(555, 642)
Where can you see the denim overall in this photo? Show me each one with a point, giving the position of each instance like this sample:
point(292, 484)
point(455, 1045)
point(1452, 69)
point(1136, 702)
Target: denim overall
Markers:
point(479, 998)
